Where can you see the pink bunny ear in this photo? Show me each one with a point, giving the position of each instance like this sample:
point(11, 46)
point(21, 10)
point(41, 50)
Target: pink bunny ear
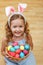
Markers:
point(21, 7)
point(9, 10)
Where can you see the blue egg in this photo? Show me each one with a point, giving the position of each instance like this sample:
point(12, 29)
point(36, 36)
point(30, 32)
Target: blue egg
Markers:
point(27, 47)
point(12, 49)
point(16, 47)
point(22, 55)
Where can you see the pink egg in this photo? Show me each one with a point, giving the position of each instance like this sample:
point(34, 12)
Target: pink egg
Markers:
point(18, 51)
point(25, 52)
point(12, 53)
point(17, 56)
point(15, 44)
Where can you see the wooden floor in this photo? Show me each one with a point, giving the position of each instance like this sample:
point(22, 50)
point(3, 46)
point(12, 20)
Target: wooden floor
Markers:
point(34, 15)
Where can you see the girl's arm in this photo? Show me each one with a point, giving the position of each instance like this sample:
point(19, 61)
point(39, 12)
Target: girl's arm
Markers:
point(29, 39)
point(3, 46)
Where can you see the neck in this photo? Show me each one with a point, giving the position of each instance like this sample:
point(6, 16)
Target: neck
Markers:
point(18, 38)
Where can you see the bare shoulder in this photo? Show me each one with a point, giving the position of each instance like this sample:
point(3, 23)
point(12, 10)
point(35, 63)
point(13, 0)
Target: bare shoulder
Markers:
point(3, 44)
point(4, 39)
point(29, 36)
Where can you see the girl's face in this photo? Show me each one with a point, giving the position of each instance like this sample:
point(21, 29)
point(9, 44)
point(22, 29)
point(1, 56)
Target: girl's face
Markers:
point(17, 27)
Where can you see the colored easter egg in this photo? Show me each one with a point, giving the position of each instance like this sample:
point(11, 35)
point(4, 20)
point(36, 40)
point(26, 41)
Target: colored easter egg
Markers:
point(15, 44)
point(27, 47)
point(18, 51)
point(21, 47)
point(12, 49)
point(25, 52)
point(9, 47)
point(22, 55)
point(12, 53)
point(16, 47)
point(17, 56)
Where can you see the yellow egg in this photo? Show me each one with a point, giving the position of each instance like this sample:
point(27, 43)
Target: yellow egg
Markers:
point(22, 47)
point(9, 47)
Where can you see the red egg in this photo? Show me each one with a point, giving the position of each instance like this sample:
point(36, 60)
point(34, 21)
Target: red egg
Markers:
point(9, 52)
point(12, 53)
point(18, 51)
point(17, 56)
point(25, 52)
point(15, 44)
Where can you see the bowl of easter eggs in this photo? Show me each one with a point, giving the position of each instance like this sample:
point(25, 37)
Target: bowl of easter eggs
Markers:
point(18, 52)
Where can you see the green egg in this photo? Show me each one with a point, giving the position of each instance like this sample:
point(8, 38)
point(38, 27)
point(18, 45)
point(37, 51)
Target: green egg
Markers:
point(12, 49)
point(27, 47)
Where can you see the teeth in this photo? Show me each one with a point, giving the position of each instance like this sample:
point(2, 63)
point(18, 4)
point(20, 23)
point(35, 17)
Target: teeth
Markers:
point(17, 32)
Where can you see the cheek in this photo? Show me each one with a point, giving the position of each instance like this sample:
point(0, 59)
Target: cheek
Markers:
point(12, 29)
point(22, 29)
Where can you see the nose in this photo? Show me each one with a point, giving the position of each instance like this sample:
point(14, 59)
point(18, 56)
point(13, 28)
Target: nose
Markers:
point(18, 29)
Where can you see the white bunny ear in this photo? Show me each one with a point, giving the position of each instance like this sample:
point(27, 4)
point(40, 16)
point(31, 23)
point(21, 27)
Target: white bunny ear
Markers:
point(21, 7)
point(9, 10)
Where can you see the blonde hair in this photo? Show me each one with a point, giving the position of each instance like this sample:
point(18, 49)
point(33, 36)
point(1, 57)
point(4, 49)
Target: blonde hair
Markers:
point(9, 34)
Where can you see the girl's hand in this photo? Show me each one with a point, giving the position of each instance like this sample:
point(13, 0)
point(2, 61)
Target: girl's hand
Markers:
point(6, 55)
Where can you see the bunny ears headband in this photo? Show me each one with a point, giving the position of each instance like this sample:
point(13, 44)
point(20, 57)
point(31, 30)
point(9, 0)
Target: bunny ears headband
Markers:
point(10, 11)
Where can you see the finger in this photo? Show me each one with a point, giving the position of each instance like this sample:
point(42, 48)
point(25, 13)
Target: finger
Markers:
point(10, 58)
point(7, 56)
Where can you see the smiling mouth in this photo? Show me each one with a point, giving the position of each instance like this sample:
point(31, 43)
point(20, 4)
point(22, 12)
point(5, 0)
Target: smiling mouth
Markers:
point(17, 32)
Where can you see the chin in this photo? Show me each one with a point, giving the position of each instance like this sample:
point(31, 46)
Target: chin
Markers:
point(17, 35)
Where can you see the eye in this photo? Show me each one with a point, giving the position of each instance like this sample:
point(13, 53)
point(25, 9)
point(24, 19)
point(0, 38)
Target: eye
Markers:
point(20, 26)
point(14, 26)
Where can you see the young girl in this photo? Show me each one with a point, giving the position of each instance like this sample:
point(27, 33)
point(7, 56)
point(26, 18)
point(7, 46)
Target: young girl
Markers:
point(17, 31)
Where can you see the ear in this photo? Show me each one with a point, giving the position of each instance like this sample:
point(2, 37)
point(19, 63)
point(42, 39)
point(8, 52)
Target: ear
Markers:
point(21, 7)
point(9, 10)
